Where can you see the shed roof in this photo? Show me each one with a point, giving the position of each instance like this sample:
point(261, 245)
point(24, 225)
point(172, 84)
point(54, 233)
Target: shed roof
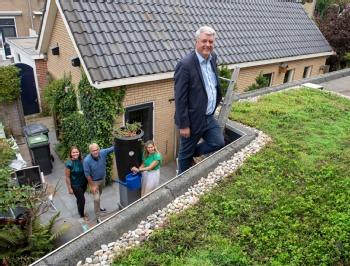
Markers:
point(25, 44)
point(129, 38)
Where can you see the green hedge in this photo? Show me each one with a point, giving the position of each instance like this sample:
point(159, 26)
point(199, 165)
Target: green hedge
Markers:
point(10, 84)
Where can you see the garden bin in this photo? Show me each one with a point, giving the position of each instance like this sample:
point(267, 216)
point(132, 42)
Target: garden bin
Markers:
point(128, 153)
point(40, 152)
point(36, 129)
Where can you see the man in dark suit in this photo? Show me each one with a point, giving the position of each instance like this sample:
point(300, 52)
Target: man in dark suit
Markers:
point(197, 94)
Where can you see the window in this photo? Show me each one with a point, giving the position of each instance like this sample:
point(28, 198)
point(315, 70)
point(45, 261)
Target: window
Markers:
point(7, 29)
point(307, 72)
point(269, 78)
point(288, 77)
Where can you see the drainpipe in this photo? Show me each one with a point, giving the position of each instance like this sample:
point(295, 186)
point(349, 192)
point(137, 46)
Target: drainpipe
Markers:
point(30, 13)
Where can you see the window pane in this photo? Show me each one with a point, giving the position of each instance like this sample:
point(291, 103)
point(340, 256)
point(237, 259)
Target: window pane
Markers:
point(7, 21)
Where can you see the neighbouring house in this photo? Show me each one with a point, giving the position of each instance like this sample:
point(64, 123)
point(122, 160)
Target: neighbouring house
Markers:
point(27, 58)
point(136, 44)
point(18, 18)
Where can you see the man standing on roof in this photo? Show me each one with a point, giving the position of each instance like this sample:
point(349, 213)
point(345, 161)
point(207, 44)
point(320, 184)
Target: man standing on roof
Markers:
point(95, 172)
point(197, 94)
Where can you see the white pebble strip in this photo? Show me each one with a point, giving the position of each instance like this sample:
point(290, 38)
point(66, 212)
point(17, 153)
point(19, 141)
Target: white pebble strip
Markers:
point(108, 252)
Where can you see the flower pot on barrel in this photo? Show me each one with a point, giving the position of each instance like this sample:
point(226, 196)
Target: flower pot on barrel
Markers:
point(128, 153)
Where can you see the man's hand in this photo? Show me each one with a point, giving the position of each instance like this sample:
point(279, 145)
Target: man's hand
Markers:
point(185, 132)
point(93, 189)
point(70, 190)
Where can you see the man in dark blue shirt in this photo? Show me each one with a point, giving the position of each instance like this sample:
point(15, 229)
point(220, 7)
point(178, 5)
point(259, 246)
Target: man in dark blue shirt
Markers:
point(95, 172)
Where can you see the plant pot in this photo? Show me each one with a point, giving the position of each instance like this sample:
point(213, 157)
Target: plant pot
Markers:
point(128, 153)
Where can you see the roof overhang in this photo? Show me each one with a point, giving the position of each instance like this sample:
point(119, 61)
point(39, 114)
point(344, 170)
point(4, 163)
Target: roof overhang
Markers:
point(47, 26)
point(169, 75)
point(279, 60)
point(52, 6)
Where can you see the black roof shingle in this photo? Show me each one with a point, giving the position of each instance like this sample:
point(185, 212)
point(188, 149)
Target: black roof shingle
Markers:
point(127, 38)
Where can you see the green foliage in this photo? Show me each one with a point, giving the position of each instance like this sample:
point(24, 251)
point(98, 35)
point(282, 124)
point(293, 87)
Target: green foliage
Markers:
point(10, 84)
point(347, 59)
point(6, 153)
point(287, 205)
point(60, 96)
point(129, 130)
point(19, 249)
point(94, 123)
point(260, 82)
point(74, 133)
point(224, 72)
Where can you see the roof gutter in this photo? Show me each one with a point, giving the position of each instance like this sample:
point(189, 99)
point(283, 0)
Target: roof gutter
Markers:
point(279, 60)
point(169, 75)
point(46, 26)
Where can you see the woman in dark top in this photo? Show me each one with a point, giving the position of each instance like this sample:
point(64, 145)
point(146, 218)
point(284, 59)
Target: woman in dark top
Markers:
point(75, 179)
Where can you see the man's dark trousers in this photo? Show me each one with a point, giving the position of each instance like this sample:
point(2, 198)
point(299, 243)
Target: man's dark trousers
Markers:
point(213, 140)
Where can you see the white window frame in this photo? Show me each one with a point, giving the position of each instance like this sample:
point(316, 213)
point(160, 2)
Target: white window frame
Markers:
point(2, 50)
point(290, 75)
point(308, 72)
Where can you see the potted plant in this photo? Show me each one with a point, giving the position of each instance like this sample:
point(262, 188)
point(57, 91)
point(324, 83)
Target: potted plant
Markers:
point(129, 130)
point(128, 146)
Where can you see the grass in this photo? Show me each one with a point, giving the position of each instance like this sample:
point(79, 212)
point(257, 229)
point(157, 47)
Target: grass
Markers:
point(287, 205)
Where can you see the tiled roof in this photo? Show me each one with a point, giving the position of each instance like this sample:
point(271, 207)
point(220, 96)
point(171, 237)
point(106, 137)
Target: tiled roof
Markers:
point(128, 38)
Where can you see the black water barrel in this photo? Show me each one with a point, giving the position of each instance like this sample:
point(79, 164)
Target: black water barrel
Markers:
point(128, 153)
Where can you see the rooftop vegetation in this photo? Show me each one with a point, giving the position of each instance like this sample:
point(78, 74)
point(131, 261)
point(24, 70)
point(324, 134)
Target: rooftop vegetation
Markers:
point(287, 205)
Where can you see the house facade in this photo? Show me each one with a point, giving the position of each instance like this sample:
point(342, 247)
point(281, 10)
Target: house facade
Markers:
point(19, 18)
point(137, 46)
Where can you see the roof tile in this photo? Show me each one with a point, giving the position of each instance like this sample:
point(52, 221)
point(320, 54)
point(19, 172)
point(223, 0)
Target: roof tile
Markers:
point(124, 38)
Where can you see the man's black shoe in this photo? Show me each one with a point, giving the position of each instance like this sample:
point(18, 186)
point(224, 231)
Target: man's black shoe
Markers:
point(103, 209)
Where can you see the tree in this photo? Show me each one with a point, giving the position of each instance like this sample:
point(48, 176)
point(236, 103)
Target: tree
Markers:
point(335, 27)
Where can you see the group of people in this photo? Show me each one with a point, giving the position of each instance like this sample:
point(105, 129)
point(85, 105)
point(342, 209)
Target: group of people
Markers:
point(91, 171)
point(197, 95)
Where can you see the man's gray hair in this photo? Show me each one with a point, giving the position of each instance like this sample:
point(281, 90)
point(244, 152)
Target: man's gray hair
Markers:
point(205, 29)
point(93, 145)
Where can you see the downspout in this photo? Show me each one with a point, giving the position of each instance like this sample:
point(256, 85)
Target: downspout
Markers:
point(30, 13)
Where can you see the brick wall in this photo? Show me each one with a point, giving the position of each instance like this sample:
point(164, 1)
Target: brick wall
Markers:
point(247, 75)
point(59, 64)
point(159, 93)
point(11, 115)
point(41, 72)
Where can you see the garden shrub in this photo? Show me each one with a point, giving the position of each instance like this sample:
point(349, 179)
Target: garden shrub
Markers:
point(10, 84)
point(21, 244)
point(61, 99)
point(260, 82)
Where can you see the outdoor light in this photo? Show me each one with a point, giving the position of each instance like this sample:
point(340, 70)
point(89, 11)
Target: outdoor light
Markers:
point(75, 61)
point(55, 50)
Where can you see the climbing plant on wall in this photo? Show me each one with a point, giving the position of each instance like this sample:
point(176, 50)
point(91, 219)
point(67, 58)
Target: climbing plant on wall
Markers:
point(10, 84)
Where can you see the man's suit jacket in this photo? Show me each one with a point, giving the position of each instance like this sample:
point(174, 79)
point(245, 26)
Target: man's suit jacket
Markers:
point(190, 95)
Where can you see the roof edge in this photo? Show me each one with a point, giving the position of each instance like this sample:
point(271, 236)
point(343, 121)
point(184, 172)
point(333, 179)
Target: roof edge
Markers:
point(279, 60)
point(169, 75)
point(71, 36)
point(47, 26)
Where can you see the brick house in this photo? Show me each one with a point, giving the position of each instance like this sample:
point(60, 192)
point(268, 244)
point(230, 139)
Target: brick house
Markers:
point(19, 18)
point(137, 44)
